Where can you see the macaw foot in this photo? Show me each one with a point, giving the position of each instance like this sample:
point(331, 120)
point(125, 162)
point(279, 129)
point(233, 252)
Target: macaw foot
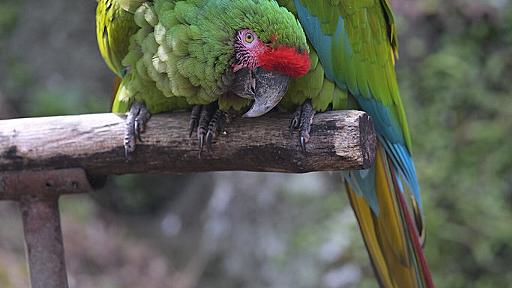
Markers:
point(302, 119)
point(136, 121)
point(209, 121)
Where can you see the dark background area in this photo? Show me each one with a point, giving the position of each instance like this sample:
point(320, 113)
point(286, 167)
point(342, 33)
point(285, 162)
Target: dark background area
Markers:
point(275, 230)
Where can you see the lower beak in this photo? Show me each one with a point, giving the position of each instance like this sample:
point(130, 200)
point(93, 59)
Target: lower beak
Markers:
point(267, 88)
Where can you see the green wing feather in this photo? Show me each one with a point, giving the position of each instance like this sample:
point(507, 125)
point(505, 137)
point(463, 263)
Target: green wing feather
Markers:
point(363, 62)
point(114, 26)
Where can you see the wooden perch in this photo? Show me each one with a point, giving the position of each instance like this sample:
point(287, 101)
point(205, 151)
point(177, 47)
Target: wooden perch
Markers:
point(339, 140)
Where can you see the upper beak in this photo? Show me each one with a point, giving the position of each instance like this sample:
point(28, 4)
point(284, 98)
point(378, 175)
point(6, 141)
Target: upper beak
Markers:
point(267, 88)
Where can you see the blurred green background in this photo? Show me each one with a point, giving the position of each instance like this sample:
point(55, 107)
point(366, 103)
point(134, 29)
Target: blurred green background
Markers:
point(274, 230)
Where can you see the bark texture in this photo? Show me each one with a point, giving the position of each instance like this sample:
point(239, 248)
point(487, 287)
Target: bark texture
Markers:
point(340, 140)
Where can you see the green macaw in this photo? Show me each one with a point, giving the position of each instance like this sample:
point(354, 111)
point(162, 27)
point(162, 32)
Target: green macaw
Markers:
point(353, 51)
point(215, 55)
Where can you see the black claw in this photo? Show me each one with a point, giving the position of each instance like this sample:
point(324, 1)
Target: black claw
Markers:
point(209, 138)
point(135, 125)
point(204, 120)
point(140, 122)
point(303, 144)
point(202, 129)
point(294, 124)
point(216, 125)
point(201, 143)
point(304, 137)
point(129, 133)
point(211, 121)
point(194, 119)
point(302, 119)
point(136, 132)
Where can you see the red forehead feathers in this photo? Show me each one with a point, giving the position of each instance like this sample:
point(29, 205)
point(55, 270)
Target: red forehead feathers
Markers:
point(285, 60)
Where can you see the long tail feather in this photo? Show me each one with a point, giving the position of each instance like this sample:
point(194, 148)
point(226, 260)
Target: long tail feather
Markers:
point(417, 241)
point(391, 237)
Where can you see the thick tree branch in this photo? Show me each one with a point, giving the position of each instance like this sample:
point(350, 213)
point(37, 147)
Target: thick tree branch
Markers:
point(339, 140)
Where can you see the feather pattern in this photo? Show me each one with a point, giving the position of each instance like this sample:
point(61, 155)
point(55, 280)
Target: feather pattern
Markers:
point(179, 52)
point(114, 25)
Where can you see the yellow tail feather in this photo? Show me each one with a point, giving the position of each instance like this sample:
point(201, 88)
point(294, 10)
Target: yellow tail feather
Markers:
point(386, 235)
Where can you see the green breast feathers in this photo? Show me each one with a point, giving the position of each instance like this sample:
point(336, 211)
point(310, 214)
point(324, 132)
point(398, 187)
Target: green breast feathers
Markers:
point(188, 48)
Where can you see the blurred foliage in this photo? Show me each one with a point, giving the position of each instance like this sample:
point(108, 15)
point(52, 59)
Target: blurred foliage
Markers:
point(273, 230)
point(9, 10)
point(458, 93)
point(129, 194)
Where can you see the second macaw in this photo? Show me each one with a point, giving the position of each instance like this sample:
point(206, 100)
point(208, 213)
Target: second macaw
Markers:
point(353, 50)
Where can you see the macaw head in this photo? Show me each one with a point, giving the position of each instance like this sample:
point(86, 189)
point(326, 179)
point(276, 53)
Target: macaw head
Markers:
point(263, 69)
point(270, 49)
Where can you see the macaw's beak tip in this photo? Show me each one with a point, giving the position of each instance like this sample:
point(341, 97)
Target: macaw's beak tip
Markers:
point(269, 89)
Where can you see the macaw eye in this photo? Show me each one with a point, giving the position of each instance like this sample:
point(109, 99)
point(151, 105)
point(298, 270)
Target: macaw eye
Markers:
point(249, 37)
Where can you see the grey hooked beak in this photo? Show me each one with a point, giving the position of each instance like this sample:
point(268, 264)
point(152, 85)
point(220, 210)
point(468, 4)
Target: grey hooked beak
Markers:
point(266, 88)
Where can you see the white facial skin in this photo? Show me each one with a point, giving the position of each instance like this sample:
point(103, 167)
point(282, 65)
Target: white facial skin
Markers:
point(247, 49)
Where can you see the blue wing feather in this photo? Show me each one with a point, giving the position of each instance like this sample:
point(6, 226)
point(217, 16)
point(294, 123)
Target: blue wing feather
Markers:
point(386, 124)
